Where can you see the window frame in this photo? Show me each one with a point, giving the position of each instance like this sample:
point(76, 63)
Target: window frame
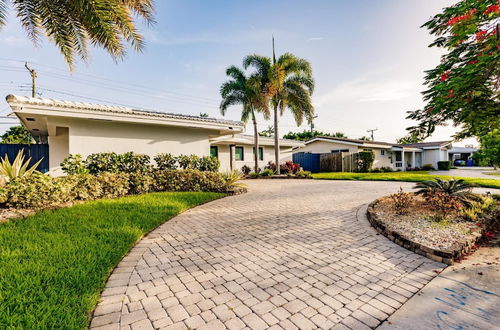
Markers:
point(216, 148)
point(242, 153)
point(382, 152)
point(261, 153)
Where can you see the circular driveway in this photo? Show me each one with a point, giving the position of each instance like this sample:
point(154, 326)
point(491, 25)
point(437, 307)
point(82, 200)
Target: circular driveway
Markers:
point(288, 254)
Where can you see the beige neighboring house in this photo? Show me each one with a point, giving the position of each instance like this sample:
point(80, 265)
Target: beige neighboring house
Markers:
point(393, 155)
point(236, 151)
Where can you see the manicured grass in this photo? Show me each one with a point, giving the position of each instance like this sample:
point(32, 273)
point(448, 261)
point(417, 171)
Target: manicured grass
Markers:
point(492, 173)
point(54, 264)
point(415, 176)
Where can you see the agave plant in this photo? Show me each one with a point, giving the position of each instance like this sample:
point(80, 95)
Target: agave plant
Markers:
point(233, 178)
point(18, 168)
point(459, 189)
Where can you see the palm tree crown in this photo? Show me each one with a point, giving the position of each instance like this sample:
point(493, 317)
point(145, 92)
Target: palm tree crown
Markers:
point(71, 25)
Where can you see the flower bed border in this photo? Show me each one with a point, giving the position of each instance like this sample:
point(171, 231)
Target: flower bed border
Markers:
point(447, 256)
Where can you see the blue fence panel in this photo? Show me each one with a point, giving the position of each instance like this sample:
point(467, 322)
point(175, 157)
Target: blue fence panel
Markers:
point(308, 161)
point(35, 151)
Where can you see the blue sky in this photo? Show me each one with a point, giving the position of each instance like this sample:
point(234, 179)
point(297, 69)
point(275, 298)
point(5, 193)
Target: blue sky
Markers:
point(368, 59)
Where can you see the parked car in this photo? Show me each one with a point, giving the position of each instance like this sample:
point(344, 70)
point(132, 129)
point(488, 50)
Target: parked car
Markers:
point(460, 162)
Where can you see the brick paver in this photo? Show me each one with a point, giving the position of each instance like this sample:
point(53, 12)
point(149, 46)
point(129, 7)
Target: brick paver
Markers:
point(288, 254)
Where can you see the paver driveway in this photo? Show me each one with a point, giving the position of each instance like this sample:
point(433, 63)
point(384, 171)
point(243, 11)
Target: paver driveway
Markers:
point(288, 254)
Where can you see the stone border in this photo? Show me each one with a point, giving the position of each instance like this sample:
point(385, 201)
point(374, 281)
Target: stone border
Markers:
point(445, 256)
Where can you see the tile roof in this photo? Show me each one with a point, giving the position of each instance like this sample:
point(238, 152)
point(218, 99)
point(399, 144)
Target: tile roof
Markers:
point(112, 109)
point(426, 144)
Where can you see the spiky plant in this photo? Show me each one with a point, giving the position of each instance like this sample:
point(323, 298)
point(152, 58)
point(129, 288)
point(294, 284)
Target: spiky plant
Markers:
point(72, 25)
point(459, 189)
point(18, 168)
point(288, 85)
point(233, 179)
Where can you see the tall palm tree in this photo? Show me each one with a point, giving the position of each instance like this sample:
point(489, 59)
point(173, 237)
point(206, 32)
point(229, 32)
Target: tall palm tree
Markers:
point(71, 25)
point(288, 84)
point(246, 91)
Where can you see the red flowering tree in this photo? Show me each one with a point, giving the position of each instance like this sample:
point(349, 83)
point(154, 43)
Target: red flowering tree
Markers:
point(464, 87)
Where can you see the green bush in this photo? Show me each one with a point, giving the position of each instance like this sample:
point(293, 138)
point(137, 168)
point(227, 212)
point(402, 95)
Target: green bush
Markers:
point(103, 162)
point(303, 174)
point(113, 184)
point(34, 191)
point(427, 167)
point(131, 162)
point(140, 183)
point(444, 165)
point(165, 161)
point(81, 186)
point(253, 175)
point(188, 180)
point(191, 162)
point(74, 164)
point(267, 172)
point(209, 163)
point(365, 161)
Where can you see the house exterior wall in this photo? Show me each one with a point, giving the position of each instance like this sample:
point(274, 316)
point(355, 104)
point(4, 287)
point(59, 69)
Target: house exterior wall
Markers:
point(380, 160)
point(433, 156)
point(90, 136)
point(248, 158)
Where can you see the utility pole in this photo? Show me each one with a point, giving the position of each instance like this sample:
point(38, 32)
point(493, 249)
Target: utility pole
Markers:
point(33, 79)
point(371, 131)
point(312, 125)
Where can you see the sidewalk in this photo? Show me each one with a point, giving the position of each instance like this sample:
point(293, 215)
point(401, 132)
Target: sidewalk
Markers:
point(464, 296)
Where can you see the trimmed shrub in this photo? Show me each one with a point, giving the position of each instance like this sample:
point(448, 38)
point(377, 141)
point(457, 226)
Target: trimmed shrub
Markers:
point(113, 184)
point(188, 180)
point(365, 161)
point(444, 165)
point(34, 191)
point(289, 167)
point(191, 162)
point(303, 174)
point(427, 167)
point(253, 175)
point(208, 163)
point(81, 186)
point(270, 166)
point(103, 162)
point(130, 162)
point(74, 164)
point(165, 161)
point(140, 183)
point(267, 172)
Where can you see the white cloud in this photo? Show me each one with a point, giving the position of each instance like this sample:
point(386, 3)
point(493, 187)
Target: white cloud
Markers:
point(315, 38)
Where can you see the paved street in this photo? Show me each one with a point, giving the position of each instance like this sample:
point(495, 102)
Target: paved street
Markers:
point(288, 254)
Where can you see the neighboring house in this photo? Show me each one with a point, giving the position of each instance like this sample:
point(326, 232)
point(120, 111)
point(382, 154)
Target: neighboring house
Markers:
point(235, 151)
point(462, 153)
point(393, 155)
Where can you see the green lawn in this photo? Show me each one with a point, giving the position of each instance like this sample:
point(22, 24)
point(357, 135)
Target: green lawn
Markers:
point(402, 176)
point(54, 264)
point(492, 173)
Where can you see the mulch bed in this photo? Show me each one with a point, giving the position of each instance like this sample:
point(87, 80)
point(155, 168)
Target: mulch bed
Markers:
point(443, 241)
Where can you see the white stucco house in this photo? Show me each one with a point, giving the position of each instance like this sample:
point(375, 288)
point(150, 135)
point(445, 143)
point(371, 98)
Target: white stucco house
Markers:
point(397, 156)
point(86, 128)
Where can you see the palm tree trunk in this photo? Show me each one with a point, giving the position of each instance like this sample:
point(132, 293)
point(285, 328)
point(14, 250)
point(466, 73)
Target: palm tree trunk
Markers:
point(276, 140)
point(255, 143)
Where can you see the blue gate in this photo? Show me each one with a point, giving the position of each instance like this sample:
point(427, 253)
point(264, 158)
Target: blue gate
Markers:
point(308, 161)
point(35, 151)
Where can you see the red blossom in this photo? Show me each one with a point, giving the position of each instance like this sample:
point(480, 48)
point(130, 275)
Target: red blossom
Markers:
point(478, 224)
point(444, 76)
point(492, 9)
point(473, 62)
point(466, 17)
point(450, 93)
point(480, 35)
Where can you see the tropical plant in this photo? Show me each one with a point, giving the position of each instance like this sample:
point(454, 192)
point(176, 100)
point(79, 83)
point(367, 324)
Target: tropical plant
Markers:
point(209, 163)
point(191, 162)
point(267, 132)
point(401, 201)
point(74, 164)
point(489, 153)
point(248, 92)
point(18, 168)
point(464, 87)
point(72, 25)
point(17, 135)
point(233, 180)
point(288, 84)
point(307, 135)
point(365, 161)
point(458, 189)
point(245, 169)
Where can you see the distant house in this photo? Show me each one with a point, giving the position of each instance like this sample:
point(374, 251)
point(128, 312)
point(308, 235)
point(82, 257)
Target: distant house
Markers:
point(393, 155)
point(85, 128)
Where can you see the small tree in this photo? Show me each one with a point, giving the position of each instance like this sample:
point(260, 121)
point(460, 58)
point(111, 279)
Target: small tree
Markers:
point(17, 134)
point(489, 154)
point(365, 161)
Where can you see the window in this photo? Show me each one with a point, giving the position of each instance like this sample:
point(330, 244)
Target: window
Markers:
point(261, 153)
point(382, 152)
point(214, 152)
point(238, 153)
point(339, 150)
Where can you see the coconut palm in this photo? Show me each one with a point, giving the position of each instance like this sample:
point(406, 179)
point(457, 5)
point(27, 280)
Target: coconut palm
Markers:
point(71, 25)
point(246, 91)
point(288, 84)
